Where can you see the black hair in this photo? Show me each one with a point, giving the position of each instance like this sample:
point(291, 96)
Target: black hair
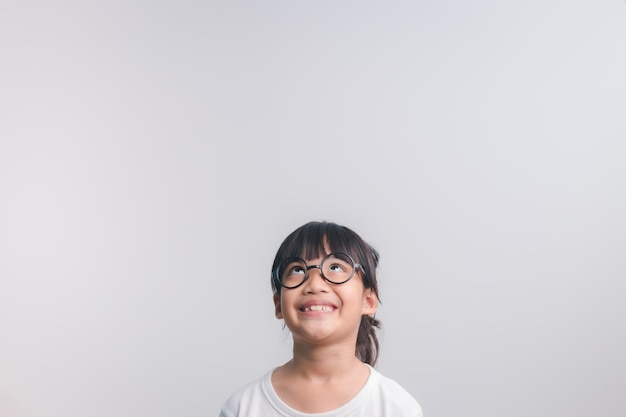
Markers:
point(312, 241)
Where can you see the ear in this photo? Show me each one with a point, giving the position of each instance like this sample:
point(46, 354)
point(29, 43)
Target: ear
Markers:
point(278, 312)
point(370, 302)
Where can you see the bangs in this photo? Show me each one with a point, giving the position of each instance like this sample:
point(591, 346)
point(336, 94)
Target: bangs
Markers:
point(315, 240)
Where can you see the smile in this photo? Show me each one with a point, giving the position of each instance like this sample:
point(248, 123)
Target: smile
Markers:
point(323, 308)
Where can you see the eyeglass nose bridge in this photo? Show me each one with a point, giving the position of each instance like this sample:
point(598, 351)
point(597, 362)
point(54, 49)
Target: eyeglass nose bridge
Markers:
point(309, 267)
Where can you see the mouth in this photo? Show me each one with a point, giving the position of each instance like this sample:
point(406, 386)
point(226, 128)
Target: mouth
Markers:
point(318, 306)
point(322, 308)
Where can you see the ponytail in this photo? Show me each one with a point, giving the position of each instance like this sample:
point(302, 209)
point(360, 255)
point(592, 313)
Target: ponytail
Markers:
point(367, 340)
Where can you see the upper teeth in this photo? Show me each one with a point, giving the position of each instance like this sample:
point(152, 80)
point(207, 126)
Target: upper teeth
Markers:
point(319, 308)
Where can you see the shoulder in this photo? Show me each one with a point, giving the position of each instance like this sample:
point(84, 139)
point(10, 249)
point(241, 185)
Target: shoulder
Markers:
point(249, 397)
point(394, 399)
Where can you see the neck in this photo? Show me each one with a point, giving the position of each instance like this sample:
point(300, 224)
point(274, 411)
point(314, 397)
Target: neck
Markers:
point(324, 361)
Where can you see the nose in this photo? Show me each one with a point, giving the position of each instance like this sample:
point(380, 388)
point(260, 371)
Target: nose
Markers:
point(315, 281)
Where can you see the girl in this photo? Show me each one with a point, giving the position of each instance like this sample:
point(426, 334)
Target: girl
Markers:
point(325, 289)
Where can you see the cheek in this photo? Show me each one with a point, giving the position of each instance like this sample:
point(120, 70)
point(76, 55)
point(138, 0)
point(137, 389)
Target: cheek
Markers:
point(354, 297)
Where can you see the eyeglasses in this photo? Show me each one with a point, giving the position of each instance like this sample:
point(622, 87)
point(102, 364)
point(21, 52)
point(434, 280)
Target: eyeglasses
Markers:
point(336, 268)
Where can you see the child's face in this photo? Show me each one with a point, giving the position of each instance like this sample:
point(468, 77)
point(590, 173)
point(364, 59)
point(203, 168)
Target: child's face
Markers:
point(321, 312)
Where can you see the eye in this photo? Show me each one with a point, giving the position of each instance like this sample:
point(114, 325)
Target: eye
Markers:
point(293, 268)
point(296, 269)
point(337, 268)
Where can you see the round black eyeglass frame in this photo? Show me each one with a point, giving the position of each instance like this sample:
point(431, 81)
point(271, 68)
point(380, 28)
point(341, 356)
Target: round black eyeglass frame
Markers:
point(355, 266)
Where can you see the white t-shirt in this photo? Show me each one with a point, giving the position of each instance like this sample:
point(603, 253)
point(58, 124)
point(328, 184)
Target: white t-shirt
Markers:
point(379, 397)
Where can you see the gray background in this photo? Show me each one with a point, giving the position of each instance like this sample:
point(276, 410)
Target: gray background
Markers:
point(153, 155)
